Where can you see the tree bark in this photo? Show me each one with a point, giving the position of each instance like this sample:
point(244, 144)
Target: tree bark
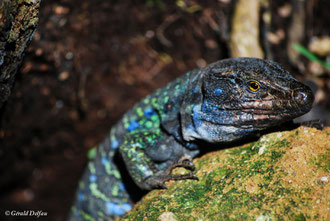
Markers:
point(18, 22)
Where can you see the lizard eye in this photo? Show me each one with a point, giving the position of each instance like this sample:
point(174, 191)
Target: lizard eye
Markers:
point(254, 86)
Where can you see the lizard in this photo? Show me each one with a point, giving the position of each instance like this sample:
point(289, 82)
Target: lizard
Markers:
point(221, 103)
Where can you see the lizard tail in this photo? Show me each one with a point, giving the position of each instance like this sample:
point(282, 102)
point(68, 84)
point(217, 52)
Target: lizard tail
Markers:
point(101, 193)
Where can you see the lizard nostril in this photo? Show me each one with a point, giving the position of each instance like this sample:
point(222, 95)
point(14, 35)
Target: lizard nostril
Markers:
point(300, 96)
point(303, 96)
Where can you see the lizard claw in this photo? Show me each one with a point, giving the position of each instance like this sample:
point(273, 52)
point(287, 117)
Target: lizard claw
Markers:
point(183, 177)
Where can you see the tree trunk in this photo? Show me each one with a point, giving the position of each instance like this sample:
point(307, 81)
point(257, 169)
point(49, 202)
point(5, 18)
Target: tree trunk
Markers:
point(18, 22)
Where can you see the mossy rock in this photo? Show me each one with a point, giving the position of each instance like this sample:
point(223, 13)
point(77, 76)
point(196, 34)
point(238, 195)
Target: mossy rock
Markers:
point(283, 176)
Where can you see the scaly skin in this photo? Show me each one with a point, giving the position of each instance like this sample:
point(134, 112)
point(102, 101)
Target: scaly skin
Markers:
point(223, 102)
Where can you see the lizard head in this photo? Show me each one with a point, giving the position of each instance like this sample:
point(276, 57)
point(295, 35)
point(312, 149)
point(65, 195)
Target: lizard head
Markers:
point(238, 96)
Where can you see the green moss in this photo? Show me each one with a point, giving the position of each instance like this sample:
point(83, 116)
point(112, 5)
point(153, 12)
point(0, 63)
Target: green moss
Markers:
point(322, 161)
point(299, 217)
point(241, 183)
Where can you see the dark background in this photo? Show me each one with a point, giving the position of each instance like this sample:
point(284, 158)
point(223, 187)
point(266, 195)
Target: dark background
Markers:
point(89, 62)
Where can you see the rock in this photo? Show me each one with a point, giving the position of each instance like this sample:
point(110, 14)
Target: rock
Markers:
point(283, 176)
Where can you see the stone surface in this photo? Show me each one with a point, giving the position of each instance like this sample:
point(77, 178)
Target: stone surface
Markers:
point(283, 176)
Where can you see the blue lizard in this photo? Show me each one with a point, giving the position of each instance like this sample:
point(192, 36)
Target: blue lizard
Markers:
point(221, 103)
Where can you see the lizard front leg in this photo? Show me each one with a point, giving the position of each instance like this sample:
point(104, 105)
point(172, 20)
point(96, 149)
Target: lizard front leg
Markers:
point(144, 167)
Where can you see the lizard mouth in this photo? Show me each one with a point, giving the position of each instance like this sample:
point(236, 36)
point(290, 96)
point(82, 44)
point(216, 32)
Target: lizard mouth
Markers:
point(247, 118)
point(250, 118)
point(267, 114)
point(261, 117)
point(269, 109)
point(258, 118)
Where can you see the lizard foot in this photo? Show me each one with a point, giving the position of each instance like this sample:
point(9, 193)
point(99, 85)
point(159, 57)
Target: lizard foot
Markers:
point(185, 162)
point(159, 179)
